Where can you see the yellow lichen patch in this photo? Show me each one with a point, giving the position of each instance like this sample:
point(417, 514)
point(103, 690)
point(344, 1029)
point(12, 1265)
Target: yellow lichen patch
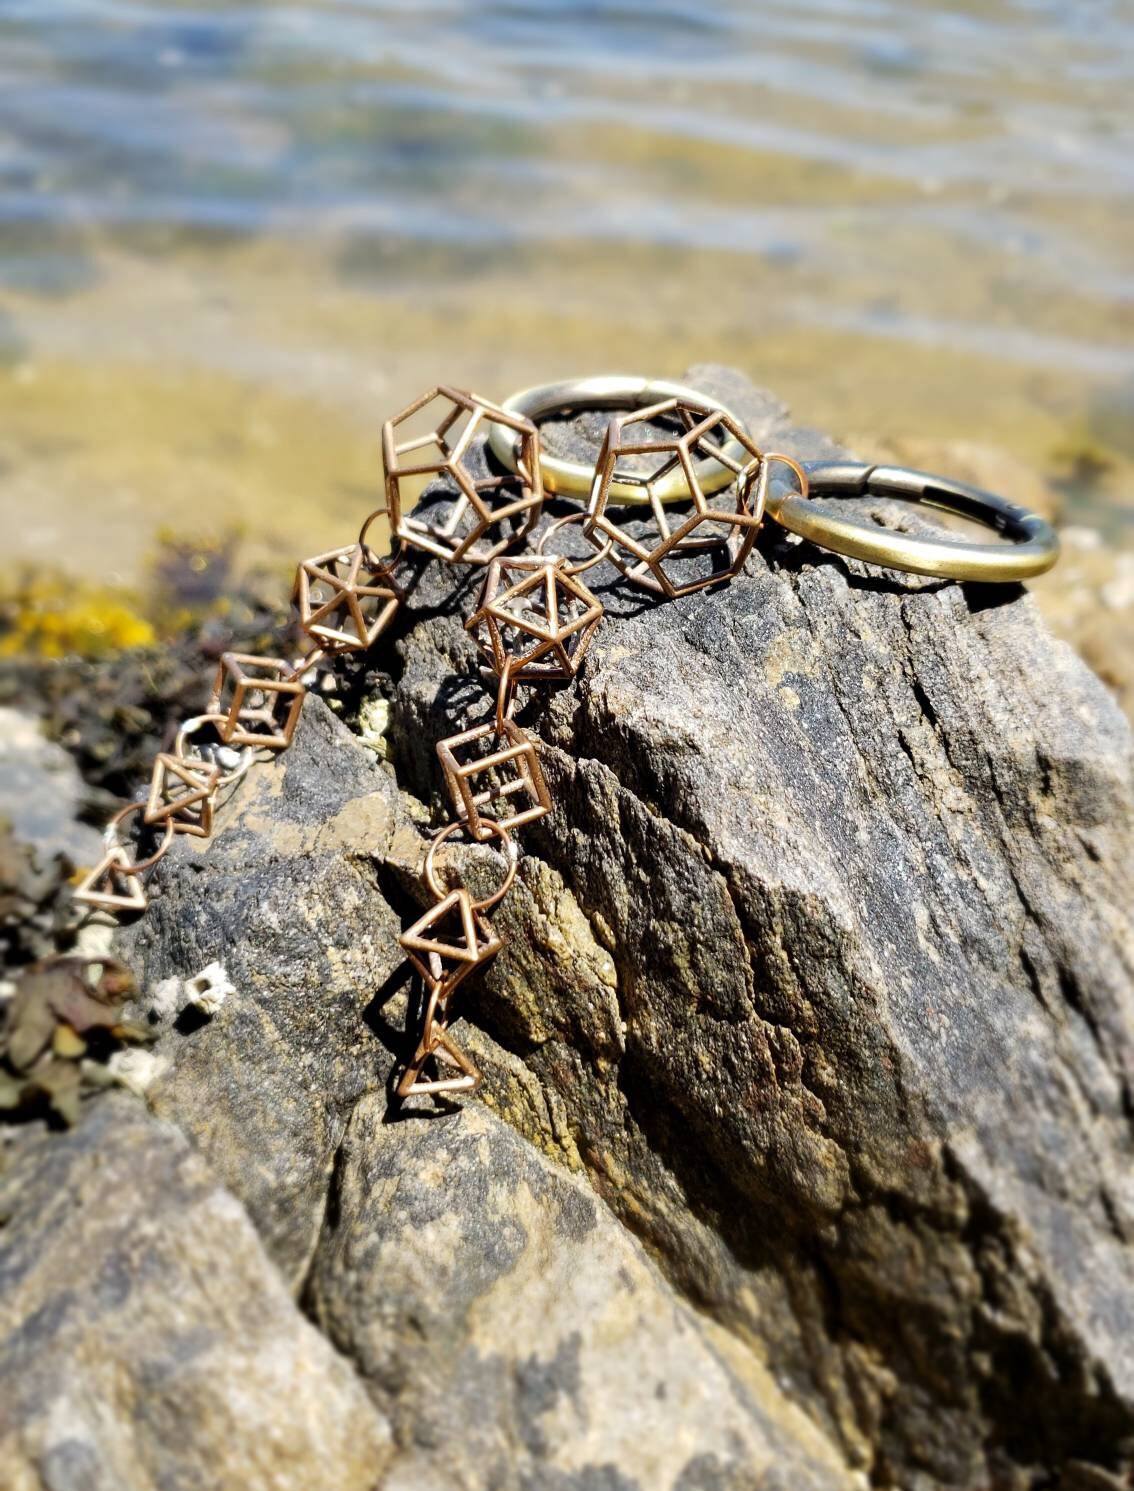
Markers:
point(54, 618)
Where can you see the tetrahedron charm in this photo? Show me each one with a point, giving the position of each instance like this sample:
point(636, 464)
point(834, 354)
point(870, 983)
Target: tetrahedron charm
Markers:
point(346, 598)
point(112, 885)
point(537, 617)
point(437, 1044)
point(182, 791)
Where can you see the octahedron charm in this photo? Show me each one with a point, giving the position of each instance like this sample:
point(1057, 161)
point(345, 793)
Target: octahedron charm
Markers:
point(513, 799)
point(449, 941)
point(535, 617)
point(346, 598)
point(182, 791)
point(260, 699)
point(486, 509)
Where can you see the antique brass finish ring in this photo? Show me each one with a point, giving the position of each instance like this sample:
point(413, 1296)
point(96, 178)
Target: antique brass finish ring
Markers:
point(111, 841)
point(572, 567)
point(198, 722)
point(495, 830)
point(1033, 550)
point(575, 478)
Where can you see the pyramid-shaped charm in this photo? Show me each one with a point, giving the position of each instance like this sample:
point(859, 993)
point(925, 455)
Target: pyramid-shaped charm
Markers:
point(467, 1078)
point(346, 599)
point(182, 792)
point(449, 941)
point(538, 617)
point(112, 885)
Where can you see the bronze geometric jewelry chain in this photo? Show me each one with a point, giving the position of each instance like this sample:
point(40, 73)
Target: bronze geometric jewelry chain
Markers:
point(705, 487)
point(533, 625)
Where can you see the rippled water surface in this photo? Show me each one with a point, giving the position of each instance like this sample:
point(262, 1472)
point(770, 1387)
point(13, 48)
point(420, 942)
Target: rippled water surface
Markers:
point(233, 236)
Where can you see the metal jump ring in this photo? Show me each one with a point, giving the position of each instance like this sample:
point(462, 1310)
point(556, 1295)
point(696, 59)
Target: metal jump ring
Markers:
point(111, 840)
point(1034, 550)
point(395, 540)
point(191, 726)
point(574, 478)
point(495, 830)
point(583, 564)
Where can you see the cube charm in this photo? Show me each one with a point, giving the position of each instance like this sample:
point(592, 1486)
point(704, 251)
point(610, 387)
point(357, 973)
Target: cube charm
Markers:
point(515, 792)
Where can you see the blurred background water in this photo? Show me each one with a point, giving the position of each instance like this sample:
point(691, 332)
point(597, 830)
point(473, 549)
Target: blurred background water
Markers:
point(233, 236)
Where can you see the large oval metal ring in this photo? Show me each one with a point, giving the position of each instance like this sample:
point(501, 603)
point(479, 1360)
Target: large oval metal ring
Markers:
point(610, 391)
point(1034, 546)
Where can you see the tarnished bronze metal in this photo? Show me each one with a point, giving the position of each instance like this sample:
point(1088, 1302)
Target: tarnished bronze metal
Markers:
point(184, 740)
point(490, 509)
point(676, 552)
point(493, 830)
point(182, 792)
point(112, 885)
point(511, 771)
point(345, 598)
point(263, 702)
point(112, 840)
point(436, 1044)
point(610, 391)
point(535, 616)
point(572, 566)
point(115, 883)
point(450, 940)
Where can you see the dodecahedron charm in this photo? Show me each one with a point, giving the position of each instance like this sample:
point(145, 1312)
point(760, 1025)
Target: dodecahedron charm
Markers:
point(345, 598)
point(182, 792)
point(259, 699)
point(678, 547)
point(514, 789)
point(449, 941)
point(536, 617)
point(476, 509)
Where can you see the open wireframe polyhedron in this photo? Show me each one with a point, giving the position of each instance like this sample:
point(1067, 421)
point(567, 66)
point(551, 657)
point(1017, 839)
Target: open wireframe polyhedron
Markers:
point(259, 698)
point(536, 617)
point(449, 941)
point(505, 780)
point(674, 548)
point(346, 598)
point(474, 510)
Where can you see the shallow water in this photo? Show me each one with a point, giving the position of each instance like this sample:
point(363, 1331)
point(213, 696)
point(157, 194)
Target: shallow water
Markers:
point(234, 236)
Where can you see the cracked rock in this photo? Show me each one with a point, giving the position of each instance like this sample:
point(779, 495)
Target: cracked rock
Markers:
point(145, 1338)
point(817, 990)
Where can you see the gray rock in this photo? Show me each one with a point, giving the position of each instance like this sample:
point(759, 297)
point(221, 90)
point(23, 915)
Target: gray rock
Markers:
point(518, 1336)
point(819, 976)
point(41, 792)
point(286, 898)
point(145, 1338)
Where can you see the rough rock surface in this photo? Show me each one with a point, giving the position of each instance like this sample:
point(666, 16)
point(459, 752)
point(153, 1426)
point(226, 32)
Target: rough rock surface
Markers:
point(504, 1319)
point(819, 980)
point(145, 1338)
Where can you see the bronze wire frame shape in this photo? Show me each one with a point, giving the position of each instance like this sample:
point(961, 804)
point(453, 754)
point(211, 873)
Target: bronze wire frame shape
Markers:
point(534, 622)
point(1033, 549)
